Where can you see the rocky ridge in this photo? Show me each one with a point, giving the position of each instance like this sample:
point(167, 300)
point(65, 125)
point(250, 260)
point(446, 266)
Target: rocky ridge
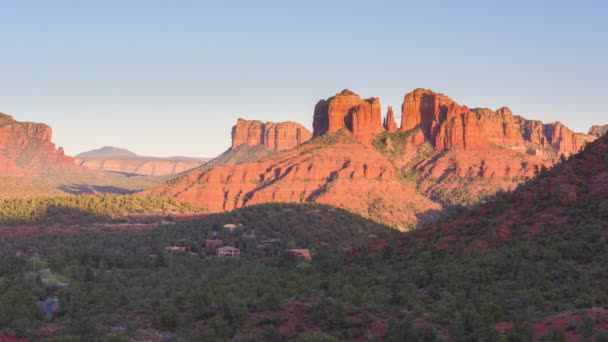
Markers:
point(442, 155)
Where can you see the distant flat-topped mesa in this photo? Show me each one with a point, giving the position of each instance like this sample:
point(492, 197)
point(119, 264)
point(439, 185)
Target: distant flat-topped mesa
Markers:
point(444, 124)
point(120, 160)
point(26, 149)
point(598, 131)
point(275, 136)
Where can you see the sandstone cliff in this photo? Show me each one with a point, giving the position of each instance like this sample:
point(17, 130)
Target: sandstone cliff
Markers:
point(346, 110)
point(274, 136)
point(450, 126)
point(26, 149)
point(140, 166)
point(443, 154)
point(337, 172)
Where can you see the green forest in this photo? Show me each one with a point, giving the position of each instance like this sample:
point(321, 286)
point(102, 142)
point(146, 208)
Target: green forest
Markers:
point(119, 284)
point(89, 208)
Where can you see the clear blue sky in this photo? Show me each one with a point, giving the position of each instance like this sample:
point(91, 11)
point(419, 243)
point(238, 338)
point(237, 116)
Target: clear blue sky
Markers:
point(171, 77)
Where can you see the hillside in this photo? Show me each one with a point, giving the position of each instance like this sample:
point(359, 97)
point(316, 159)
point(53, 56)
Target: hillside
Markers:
point(443, 155)
point(364, 282)
point(332, 169)
point(527, 265)
point(570, 198)
point(126, 284)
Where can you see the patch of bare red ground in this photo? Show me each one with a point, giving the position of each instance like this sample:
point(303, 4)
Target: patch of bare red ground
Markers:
point(49, 330)
point(562, 320)
point(9, 338)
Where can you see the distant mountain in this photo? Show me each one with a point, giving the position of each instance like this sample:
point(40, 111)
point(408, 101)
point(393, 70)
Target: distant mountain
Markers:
point(107, 152)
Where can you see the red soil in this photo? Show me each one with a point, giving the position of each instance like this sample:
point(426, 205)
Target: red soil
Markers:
point(562, 320)
point(8, 338)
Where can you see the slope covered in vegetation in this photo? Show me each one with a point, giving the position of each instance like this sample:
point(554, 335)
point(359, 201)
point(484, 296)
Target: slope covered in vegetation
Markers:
point(86, 208)
point(528, 265)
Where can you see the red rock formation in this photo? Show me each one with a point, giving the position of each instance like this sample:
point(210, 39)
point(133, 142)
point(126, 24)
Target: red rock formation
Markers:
point(598, 131)
point(457, 156)
point(274, 136)
point(345, 175)
point(390, 125)
point(361, 117)
point(26, 149)
point(448, 125)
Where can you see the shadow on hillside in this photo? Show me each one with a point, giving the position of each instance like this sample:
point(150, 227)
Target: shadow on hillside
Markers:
point(125, 174)
point(432, 215)
point(79, 189)
point(54, 213)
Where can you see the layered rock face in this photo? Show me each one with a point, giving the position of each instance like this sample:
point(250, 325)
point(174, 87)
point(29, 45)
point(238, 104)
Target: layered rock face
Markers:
point(448, 125)
point(26, 149)
point(346, 110)
point(345, 175)
point(274, 136)
point(447, 154)
point(598, 131)
point(140, 166)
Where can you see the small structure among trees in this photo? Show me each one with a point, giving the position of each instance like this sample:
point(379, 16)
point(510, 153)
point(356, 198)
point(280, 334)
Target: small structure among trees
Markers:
point(301, 253)
point(176, 249)
point(230, 226)
point(228, 252)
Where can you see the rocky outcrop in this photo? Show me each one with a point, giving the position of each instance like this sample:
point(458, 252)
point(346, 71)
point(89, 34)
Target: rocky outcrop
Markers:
point(346, 110)
point(448, 154)
point(26, 149)
point(450, 126)
point(274, 136)
point(390, 125)
point(598, 131)
point(343, 174)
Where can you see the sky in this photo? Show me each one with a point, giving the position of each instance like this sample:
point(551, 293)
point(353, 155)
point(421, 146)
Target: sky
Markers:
point(166, 78)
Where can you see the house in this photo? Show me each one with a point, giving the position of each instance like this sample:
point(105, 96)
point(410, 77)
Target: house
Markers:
point(301, 253)
point(212, 243)
point(228, 252)
point(231, 226)
point(175, 249)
